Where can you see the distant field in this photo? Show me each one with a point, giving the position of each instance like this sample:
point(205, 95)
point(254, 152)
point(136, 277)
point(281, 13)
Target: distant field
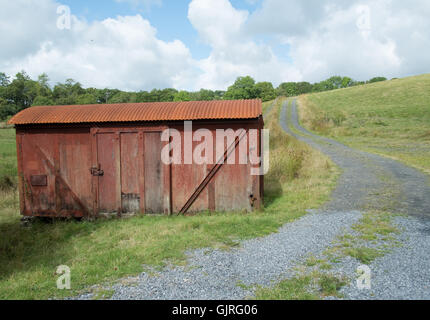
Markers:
point(390, 118)
point(8, 165)
point(105, 250)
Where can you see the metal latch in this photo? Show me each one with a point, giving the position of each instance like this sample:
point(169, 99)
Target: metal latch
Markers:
point(97, 172)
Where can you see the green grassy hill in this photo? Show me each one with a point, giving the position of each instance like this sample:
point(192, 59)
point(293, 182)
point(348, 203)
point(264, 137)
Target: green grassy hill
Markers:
point(391, 118)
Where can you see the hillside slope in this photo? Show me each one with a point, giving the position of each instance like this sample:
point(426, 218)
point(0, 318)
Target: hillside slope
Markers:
point(391, 118)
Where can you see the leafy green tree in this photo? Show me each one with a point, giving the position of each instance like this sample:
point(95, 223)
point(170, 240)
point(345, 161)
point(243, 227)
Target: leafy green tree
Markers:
point(43, 85)
point(219, 94)
point(265, 91)
point(347, 82)
point(287, 89)
point(243, 88)
point(7, 110)
point(43, 101)
point(123, 97)
point(4, 83)
point(143, 96)
point(155, 95)
point(86, 98)
point(377, 79)
point(103, 95)
point(303, 87)
point(4, 79)
point(334, 82)
point(167, 95)
point(67, 93)
point(21, 91)
point(182, 96)
point(326, 85)
point(205, 95)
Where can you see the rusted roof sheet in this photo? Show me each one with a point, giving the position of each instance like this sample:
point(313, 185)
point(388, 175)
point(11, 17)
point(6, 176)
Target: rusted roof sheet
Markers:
point(133, 112)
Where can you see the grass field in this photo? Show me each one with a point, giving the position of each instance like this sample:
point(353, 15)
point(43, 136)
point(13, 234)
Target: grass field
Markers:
point(8, 174)
point(390, 118)
point(106, 250)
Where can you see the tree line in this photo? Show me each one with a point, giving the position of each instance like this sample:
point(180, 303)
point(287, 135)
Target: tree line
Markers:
point(22, 92)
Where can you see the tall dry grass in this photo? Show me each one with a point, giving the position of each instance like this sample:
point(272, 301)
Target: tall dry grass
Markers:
point(291, 159)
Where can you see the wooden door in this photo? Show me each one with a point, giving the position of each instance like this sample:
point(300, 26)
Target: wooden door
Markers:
point(131, 172)
point(154, 173)
point(108, 158)
point(128, 172)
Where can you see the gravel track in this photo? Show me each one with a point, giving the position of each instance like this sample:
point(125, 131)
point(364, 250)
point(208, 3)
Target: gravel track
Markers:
point(367, 182)
point(215, 274)
point(373, 182)
point(404, 273)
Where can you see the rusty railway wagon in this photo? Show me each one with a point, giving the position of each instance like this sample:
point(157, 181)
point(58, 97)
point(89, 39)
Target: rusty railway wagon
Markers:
point(83, 161)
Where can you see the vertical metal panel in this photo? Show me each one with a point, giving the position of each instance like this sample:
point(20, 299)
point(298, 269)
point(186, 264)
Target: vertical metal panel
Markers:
point(129, 163)
point(107, 157)
point(117, 149)
point(185, 179)
point(40, 198)
point(232, 188)
point(67, 189)
point(211, 185)
point(130, 172)
point(211, 192)
point(74, 163)
point(141, 151)
point(167, 183)
point(154, 175)
point(21, 182)
point(57, 172)
point(94, 179)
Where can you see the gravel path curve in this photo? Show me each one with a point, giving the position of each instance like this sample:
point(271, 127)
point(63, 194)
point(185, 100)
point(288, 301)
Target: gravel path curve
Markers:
point(373, 182)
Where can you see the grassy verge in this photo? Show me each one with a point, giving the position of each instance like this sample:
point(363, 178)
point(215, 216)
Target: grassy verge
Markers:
point(389, 118)
point(266, 105)
point(104, 251)
point(311, 286)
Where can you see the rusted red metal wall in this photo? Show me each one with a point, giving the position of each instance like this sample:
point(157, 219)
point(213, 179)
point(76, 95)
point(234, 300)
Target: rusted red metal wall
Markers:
point(86, 171)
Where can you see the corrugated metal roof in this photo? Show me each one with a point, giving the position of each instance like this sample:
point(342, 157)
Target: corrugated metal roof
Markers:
point(132, 112)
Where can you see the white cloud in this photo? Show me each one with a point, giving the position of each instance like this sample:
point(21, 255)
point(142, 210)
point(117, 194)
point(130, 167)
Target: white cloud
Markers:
point(122, 52)
point(327, 37)
point(24, 26)
point(324, 37)
point(234, 52)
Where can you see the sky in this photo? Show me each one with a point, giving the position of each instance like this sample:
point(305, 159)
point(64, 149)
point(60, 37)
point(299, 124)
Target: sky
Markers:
point(191, 44)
